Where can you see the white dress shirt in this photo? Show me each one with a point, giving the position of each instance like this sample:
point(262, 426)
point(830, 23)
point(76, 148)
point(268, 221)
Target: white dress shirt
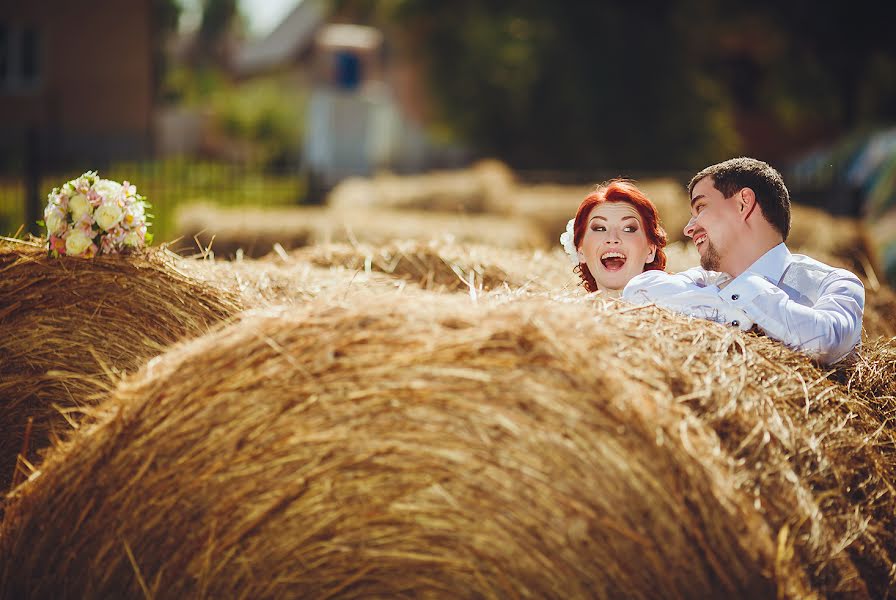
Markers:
point(799, 301)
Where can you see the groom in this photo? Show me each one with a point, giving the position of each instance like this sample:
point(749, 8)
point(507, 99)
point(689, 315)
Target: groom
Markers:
point(740, 217)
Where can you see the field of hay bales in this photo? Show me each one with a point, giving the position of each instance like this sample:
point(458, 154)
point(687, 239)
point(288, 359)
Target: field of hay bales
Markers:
point(405, 393)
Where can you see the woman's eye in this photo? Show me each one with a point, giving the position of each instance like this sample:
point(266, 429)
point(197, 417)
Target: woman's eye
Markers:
point(630, 229)
point(598, 228)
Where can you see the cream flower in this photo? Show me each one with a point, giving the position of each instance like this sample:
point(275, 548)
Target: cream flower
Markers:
point(108, 189)
point(134, 214)
point(77, 242)
point(132, 238)
point(54, 218)
point(79, 206)
point(108, 215)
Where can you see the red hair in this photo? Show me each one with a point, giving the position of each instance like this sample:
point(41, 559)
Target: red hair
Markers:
point(621, 190)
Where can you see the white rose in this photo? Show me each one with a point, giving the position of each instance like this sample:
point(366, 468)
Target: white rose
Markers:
point(108, 189)
point(79, 206)
point(77, 242)
point(134, 214)
point(108, 215)
point(54, 218)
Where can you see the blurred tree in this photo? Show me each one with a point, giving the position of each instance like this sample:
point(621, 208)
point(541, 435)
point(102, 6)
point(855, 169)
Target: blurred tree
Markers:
point(587, 85)
point(843, 39)
point(648, 84)
point(219, 22)
point(165, 14)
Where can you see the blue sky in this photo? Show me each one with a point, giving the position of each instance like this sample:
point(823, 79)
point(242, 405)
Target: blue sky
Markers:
point(262, 15)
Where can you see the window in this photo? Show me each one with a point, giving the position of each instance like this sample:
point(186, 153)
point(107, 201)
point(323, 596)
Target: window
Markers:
point(20, 58)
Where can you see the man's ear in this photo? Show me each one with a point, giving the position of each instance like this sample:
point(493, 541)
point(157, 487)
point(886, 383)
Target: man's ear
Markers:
point(746, 202)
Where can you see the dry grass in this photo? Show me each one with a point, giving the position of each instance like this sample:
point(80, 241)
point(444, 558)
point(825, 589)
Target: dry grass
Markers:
point(253, 232)
point(448, 267)
point(433, 446)
point(473, 190)
point(69, 328)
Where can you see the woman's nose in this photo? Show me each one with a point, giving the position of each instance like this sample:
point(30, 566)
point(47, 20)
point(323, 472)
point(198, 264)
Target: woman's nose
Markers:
point(689, 228)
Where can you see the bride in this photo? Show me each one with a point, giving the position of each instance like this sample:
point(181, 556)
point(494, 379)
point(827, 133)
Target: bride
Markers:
point(614, 236)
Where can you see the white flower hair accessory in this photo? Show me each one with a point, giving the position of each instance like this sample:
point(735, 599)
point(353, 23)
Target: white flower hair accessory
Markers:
point(567, 240)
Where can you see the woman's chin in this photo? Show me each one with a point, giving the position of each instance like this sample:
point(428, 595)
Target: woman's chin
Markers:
point(609, 292)
point(612, 281)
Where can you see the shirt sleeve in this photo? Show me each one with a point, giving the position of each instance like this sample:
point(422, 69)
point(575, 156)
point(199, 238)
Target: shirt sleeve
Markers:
point(689, 293)
point(828, 330)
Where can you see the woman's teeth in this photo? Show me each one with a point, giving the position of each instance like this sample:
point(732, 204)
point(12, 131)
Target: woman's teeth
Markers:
point(612, 261)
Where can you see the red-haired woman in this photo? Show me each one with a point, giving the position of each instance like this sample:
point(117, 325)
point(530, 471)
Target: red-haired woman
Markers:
point(614, 236)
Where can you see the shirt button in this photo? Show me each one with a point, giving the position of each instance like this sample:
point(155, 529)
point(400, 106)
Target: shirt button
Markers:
point(735, 323)
point(734, 296)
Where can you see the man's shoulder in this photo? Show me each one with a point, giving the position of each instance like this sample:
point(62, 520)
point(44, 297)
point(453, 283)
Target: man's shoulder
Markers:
point(807, 264)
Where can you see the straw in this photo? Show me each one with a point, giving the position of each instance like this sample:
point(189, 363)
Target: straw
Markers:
point(522, 445)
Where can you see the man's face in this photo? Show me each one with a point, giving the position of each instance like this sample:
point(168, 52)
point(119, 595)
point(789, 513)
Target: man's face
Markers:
point(712, 224)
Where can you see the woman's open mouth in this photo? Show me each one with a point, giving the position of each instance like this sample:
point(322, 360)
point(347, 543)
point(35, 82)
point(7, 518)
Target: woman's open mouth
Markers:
point(612, 261)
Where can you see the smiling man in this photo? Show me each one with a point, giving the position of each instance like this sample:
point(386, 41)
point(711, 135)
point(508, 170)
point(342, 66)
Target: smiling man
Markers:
point(740, 218)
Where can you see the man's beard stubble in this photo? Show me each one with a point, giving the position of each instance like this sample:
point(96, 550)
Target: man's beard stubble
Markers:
point(710, 260)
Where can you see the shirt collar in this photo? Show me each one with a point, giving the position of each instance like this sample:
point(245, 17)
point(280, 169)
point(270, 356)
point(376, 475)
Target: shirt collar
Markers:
point(773, 263)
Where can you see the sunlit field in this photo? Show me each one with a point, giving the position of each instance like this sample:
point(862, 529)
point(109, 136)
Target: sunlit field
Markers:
point(406, 392)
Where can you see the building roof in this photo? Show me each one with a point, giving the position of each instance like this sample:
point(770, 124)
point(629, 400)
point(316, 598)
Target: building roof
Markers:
point(289, 39)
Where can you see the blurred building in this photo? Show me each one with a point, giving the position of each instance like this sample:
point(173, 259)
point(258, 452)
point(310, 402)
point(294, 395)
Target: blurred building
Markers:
point(78, 76)
point(367, 108)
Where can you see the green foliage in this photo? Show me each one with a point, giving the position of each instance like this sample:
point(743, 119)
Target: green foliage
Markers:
point(646, 84)
point(268, 113)
point(589, 85)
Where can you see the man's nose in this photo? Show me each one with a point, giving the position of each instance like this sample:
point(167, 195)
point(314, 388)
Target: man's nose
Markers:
point(689, 228)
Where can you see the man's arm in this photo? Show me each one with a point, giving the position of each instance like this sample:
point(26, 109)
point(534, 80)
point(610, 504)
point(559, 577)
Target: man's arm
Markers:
point(690, 292)
point(827, 331)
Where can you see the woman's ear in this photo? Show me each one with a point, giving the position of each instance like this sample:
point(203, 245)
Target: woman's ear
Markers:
point(581, 256)
point(650, 255)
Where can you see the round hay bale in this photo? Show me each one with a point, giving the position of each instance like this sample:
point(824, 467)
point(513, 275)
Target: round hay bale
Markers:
point(281, 279)
point(470, 190)
point(69, 328)
point(873, 374)
point(879, 319)
point(248, 230)
point(511, 447)
point(816, 232)
point(448, 267)
point(381, 226)
point(254, 232)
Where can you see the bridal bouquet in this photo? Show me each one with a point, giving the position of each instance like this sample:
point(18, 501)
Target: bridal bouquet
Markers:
point(89, 216)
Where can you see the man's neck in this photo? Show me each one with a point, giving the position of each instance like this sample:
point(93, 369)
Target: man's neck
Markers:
point(749, 253)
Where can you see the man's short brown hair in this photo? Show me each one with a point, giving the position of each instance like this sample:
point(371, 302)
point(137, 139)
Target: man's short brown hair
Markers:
point(765, 181)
